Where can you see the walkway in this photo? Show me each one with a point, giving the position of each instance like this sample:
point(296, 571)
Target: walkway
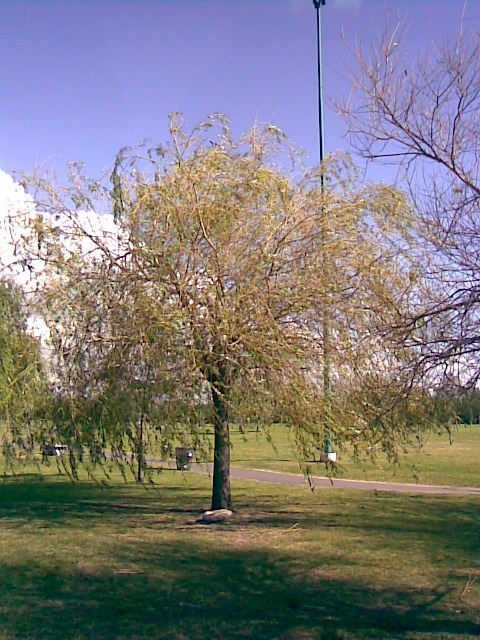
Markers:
point(275, 477)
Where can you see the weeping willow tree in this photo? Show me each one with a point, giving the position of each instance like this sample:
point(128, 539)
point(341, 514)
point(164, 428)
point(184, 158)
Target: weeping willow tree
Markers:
point(199, 294)
point(24, 392)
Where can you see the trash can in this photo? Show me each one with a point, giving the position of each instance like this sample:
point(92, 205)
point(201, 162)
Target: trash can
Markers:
point(56, 450)
point(184, 458)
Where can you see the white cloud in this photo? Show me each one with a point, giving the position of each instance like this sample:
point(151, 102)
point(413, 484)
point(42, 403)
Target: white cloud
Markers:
point(84, 232)
point(15, 203)
point(12, 194)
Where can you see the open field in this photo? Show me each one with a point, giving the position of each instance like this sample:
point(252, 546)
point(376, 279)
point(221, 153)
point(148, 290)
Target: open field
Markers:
point(78, 561)
point(438, 462)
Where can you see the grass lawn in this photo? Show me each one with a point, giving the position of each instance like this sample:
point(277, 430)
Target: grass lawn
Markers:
point(438, 462)
point(79, 561)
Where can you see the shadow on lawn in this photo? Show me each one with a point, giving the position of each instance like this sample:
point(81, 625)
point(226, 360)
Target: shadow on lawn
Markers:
point(55, 499)
point(189, 583)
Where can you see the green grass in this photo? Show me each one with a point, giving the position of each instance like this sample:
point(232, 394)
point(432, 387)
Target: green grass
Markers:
point(438, 462)
point(81, 562)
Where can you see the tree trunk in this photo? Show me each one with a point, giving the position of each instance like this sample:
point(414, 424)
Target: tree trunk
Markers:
point(221, 495)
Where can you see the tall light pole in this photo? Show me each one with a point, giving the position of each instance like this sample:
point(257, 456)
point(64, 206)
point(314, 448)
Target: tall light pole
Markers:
point(317, 4)
point(327, 365)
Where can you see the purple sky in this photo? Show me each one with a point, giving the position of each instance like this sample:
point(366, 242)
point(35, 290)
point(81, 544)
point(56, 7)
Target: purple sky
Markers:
point(81, 79)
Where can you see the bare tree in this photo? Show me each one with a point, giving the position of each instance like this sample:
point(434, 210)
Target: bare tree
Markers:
point(422, 115)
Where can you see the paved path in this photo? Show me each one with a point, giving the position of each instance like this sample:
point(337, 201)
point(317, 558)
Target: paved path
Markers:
point(275, 477)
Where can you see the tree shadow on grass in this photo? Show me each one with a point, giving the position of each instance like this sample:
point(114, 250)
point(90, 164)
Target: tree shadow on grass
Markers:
point(56, 499)
point(188, 582)
point(203, 593)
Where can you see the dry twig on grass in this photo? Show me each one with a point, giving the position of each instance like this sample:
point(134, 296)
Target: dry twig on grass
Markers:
point(472, 578)
point(292, 528)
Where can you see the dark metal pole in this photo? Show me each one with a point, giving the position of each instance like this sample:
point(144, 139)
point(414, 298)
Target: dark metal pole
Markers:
point(327, 365)
point(317, 4)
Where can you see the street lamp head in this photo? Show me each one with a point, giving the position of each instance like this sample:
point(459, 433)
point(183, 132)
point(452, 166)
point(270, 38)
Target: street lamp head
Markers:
point(317, 3)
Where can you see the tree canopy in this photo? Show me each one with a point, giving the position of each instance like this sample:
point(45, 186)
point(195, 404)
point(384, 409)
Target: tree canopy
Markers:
point(201, 300)
point(23, 385)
